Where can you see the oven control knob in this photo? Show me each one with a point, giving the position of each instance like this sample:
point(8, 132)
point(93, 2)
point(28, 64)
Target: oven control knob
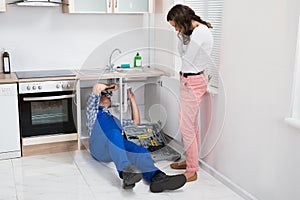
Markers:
point(57, 86)
point(28, 87)
point(34, 87)
point(68, 85)
point(39, 87)
point(63, 86)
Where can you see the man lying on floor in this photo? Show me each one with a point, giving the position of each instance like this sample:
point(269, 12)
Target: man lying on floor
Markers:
point(107, 144)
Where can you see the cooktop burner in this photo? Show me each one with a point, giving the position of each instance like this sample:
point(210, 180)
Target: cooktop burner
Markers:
point(44, 74)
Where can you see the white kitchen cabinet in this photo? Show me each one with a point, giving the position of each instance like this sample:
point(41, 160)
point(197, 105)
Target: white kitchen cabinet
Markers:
point(132, 6)
point(162, 104)
point(9, 122)
point(108, 6)
point(87, 6)
point(2, 5)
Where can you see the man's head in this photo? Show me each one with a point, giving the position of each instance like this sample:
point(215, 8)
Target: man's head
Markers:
point(105, 99)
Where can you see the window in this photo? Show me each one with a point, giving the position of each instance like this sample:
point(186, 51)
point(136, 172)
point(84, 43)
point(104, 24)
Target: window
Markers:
point(294, 119)
point(211, 11)
point(2, 6)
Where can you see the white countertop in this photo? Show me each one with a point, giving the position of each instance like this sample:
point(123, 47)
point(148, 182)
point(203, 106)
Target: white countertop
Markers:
point(8, 78)
point(119, 73)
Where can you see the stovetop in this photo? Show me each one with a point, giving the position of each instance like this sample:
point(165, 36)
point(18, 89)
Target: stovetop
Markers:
point(45, 74)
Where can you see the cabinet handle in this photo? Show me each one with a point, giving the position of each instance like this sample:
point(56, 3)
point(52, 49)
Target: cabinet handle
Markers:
point(116, 3)
point(48, 98)
point(109, 3)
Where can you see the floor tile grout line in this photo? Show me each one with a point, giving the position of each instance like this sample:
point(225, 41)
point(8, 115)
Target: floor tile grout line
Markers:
point(82, 175)
point(14, 177)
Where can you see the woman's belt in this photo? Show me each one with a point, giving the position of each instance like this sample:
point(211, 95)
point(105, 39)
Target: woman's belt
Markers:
point(190, 74)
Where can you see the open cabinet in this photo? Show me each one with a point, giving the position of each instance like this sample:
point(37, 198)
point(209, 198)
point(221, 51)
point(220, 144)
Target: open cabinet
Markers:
point(156, 97)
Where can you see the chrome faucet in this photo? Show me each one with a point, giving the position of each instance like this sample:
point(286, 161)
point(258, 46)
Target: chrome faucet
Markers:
point(111, 65)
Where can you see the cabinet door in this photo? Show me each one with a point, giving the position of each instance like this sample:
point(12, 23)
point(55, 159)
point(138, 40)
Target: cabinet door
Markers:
point(162, 104)
point(132, 6)
point(90, 6)
point(2, 5)
point(169, 99)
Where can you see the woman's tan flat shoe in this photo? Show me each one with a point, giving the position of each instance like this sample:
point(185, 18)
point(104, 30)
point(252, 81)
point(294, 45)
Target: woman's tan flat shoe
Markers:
point(180, 165)
point(192, 178)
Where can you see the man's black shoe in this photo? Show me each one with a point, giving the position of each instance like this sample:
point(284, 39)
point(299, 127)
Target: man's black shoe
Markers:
point(161, 182)
point(127, 187)
point(130, 177)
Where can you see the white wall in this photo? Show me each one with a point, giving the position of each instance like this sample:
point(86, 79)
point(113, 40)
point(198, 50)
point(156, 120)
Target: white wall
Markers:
point(295, 114)
point(46, 38)
point(256, 150)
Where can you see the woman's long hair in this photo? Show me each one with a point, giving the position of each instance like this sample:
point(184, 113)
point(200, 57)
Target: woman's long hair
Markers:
point(182, 16)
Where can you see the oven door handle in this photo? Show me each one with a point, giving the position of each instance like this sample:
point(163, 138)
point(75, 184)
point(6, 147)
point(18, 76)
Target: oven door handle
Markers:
point(48, 98)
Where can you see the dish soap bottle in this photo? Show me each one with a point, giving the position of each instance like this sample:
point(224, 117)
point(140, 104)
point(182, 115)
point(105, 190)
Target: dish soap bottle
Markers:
point(6, 62)
point(137, 60)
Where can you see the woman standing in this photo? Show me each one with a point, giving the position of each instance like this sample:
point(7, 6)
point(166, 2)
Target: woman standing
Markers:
point(195, 46)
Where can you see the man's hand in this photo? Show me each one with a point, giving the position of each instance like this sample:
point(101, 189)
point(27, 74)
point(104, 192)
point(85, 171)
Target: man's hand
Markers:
point(131, 95)
point(99, 87)
point(134, 107)
point(112, 87)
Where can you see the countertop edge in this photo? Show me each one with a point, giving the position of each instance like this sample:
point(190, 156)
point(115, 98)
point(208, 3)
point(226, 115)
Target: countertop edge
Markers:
point(12, 78)
point(8, 78)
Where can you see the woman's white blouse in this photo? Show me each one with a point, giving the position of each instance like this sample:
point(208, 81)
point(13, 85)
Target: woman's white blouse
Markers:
point(196, 54)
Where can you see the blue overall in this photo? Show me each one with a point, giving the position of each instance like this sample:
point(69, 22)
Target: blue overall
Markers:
point(107, 144)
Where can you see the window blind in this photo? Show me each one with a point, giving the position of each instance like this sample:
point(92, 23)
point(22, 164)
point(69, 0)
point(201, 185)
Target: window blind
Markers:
point(211, 11)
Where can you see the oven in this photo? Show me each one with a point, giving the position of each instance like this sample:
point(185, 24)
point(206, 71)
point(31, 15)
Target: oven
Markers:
point(47, 107)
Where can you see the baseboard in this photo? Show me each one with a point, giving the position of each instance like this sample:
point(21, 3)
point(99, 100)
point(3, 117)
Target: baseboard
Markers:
point(46, 139)
point(176, 145)
point(217, 175)
point(226, 181)
point(10, 155)
point(48, 148)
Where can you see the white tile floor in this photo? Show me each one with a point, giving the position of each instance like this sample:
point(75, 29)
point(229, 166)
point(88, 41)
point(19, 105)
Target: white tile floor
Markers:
point(75, 175)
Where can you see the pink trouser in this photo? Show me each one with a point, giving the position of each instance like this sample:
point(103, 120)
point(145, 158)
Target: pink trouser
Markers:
point(192, 90)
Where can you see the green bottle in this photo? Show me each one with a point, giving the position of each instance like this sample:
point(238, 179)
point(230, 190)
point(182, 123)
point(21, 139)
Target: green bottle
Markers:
point(137, 60)
point(6, 62)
